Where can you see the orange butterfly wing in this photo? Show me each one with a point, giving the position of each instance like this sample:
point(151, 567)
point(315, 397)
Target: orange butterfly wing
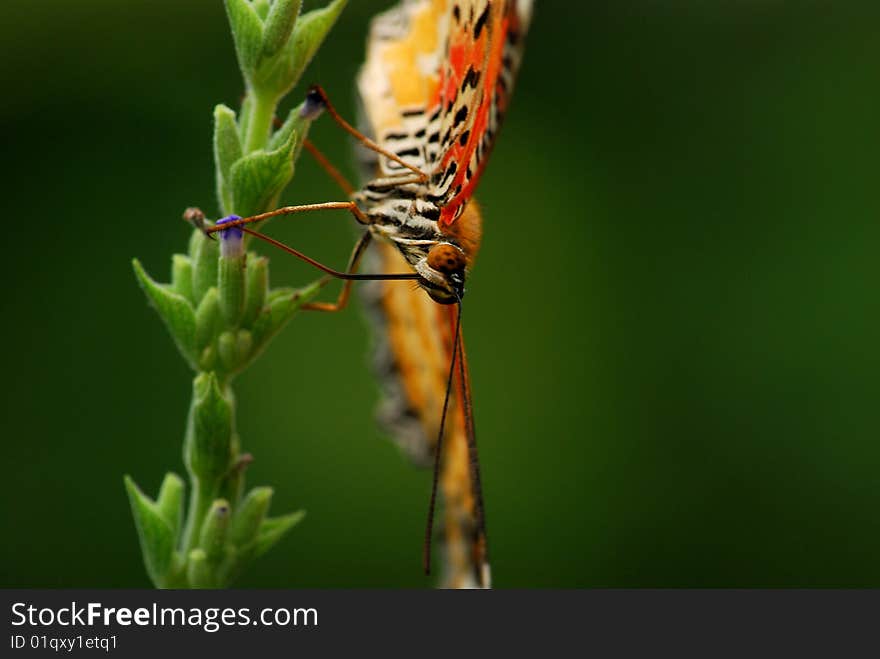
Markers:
point(401, 76)
point(436, 83)
point(484, 50)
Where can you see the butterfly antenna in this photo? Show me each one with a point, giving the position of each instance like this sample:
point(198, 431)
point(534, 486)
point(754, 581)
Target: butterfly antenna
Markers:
point(432, 505)
point(481, 549)
point(323, 268)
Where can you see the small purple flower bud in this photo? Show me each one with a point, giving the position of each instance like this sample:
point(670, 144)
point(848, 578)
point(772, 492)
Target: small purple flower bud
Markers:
point(231, 243)
point(313, 105)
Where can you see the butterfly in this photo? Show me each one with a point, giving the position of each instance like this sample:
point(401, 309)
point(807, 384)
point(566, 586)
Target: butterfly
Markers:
point(435, 86)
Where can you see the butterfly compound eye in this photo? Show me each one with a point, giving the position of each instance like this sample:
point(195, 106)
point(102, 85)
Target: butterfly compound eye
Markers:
point(446, 258)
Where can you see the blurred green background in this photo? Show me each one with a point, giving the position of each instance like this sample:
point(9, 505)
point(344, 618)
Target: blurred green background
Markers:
point(673, 326)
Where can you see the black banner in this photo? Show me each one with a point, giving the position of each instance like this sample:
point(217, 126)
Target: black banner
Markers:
point(705, 623)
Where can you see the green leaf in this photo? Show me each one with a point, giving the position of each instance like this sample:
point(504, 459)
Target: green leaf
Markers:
point(231, 289)
point(174, 310)
point(156, 536)
point(207, 319)
point(227, 150)
point(273, 529)
point(281, 306)
point(204, 253)
point(308, 35)
point(212, 538)
point(233, 483)
point(198, 572)
point(256, 288)
point(176, 575)
point(247, 32)
point(169, 503)
point(258, 179)
point(262, 8)
point(294, 124)
point(279, 25)
point(244, 120)
point(277, 75)
point(244, 531)
point(249, 517)
point(234, 349)
point(226, 349)
point(208, 358)
point(208, 444)
point(244, 346)
point(181, 276)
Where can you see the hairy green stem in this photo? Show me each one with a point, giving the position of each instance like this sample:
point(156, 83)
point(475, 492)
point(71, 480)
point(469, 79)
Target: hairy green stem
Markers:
point(221, 313)
point(259, 121)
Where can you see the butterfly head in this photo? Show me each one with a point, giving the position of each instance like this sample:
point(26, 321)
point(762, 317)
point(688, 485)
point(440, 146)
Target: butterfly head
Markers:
point(444, 265)
point(443, 273)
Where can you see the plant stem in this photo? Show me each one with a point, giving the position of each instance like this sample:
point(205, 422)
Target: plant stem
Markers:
point(200, 498)
point(262, 112)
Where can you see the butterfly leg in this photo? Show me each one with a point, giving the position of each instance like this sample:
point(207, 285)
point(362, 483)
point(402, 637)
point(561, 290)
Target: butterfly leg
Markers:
point(317, 100)
point(337, 274)
point(328, 167)
point(350, 206)
point(349, 276)
point(353, 263)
